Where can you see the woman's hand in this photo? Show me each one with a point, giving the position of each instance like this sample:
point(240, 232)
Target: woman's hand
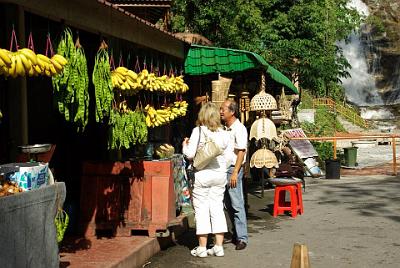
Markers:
point(185, 141)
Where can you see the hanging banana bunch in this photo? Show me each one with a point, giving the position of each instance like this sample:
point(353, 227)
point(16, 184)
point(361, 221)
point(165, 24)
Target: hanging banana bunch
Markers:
point(71, 87)
point(165, 115)
point(130, 82)
point(102, 82)
point(25, 62)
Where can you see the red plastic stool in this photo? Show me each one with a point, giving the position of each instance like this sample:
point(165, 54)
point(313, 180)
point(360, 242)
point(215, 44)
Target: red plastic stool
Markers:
point(296, 200)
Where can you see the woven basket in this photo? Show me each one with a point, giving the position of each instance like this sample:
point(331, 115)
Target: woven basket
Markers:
point(263, 101)
point(226, 82)
point(218, 92)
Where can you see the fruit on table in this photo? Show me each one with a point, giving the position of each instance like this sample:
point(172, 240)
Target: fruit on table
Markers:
point(165, 150)
point(9, 188)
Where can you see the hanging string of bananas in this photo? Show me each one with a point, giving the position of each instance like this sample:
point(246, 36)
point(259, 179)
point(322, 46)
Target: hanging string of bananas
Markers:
point(159, 117)
point(129, 82)
point(71, 87)
point(102, 84)
point(26, 62)
point(127, 128)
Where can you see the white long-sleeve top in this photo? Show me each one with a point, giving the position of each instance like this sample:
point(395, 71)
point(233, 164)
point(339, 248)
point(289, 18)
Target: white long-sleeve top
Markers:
point(221, 138)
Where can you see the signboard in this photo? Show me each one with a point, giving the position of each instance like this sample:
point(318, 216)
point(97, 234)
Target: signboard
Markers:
point(302, 148)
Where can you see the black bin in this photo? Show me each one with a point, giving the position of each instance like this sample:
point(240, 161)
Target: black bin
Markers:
point(332, 169)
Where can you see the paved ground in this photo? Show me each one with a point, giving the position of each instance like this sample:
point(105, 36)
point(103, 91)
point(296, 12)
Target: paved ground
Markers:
point(351, 222)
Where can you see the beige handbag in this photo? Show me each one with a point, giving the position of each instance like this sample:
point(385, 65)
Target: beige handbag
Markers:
point(206, 153)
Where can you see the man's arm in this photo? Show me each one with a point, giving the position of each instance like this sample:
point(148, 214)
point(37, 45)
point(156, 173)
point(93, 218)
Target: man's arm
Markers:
point(238, 165)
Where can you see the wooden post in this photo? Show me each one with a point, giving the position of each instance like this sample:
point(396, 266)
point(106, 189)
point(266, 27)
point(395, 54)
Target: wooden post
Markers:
point(334, 149)
point(300, 256)
point(394, 156)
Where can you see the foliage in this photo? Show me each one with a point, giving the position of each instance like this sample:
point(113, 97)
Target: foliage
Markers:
point(295, 36)
point(325, 124)
point(324, 149)
point(377, 23)
point(306, 100)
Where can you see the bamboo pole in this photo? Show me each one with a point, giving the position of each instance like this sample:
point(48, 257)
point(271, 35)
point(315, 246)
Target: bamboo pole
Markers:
point(394, 156)
point(334, 149)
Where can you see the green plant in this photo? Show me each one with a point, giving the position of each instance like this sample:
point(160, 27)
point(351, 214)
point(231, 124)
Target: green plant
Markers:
point(306, 100)
point(326, 124)
point(324, 149)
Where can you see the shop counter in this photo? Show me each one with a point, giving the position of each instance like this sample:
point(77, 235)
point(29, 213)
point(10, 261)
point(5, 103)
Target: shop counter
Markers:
point(121, 198)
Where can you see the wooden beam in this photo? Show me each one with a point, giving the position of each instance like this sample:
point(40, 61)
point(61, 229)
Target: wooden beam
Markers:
point(143, 5)
point(100, 17)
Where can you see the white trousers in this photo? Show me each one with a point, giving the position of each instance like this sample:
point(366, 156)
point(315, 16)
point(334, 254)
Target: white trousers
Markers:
point(208, 195)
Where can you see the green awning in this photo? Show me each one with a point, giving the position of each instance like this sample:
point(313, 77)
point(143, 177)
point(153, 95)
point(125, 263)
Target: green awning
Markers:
point(203, 60)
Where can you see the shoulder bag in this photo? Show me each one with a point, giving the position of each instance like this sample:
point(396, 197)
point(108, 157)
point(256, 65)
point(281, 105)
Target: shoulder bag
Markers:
point(206, 153)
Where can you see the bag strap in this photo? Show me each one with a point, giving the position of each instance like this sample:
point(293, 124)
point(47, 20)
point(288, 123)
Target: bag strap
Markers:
point(198, 142)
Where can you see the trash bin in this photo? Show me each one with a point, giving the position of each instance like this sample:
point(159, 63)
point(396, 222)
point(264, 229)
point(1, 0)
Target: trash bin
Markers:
point(350, 156)
point(332, 169)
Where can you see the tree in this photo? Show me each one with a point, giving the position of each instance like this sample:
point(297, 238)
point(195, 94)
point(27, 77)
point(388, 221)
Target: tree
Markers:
point(295, 36)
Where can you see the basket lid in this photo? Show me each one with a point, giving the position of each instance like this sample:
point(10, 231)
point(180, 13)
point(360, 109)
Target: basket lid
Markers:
point(263, 101)
point(263, 158)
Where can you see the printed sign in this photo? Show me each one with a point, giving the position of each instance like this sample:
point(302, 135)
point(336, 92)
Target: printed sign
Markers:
point(302, 148)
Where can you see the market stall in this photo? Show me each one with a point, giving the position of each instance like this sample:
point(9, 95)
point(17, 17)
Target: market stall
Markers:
point(101, 100)
point(266, 98)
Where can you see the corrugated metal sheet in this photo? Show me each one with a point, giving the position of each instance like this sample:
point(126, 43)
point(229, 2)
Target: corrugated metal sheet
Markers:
point(203, 60)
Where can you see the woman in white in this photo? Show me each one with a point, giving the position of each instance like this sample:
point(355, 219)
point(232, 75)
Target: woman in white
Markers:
point(209, 185)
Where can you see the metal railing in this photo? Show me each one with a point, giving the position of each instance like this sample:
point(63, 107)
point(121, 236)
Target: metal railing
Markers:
point(358, 137)
point(348, 113)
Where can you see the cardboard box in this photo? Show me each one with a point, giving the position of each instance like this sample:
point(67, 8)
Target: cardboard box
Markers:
point(29, 175)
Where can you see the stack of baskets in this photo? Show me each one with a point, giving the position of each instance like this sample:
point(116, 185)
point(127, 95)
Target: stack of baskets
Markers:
point(220, 90)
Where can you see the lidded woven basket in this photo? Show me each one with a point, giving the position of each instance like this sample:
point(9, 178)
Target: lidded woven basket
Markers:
point(220, 89)
point(263, 101)
point(263, 158)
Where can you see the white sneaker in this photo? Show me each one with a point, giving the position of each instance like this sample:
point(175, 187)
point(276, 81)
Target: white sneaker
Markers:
point(216, 251)
point(199, 252)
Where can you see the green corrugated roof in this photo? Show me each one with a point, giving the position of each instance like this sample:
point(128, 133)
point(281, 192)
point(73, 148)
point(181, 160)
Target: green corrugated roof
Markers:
point(202, 60)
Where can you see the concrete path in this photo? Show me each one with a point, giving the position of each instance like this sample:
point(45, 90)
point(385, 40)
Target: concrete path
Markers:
point(351, 222)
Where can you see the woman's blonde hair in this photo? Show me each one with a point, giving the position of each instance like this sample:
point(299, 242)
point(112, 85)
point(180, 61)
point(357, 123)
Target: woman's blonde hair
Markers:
point(209, 116)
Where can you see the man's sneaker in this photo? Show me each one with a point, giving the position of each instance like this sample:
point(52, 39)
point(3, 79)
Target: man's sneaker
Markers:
point(199, 252)
point(216, 251)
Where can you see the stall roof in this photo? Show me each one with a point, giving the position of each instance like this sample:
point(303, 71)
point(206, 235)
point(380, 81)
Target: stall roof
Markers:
point(203, 60)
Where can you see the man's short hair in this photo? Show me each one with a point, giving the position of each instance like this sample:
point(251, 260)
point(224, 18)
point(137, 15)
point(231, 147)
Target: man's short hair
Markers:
point(233, 107)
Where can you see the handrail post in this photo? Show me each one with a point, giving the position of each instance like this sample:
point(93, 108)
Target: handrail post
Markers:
point(394, 155)
point(334, 149)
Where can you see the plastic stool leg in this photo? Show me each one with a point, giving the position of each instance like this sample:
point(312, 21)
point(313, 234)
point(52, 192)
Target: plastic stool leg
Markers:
point(300, 198)
point(276, 201)
point(293, 201)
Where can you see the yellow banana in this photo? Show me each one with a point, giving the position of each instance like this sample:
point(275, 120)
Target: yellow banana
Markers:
point(29, 54)
point(5, 56)
point(53, 70)
point(60, 59)
point(37, 69)
point(31, 71)
point(12, 69)
point(56, 65)
point(27, 63)
point(43, 58)
point(19, 66)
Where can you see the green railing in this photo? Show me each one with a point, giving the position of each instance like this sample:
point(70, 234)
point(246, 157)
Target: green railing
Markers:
point(348, 113)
